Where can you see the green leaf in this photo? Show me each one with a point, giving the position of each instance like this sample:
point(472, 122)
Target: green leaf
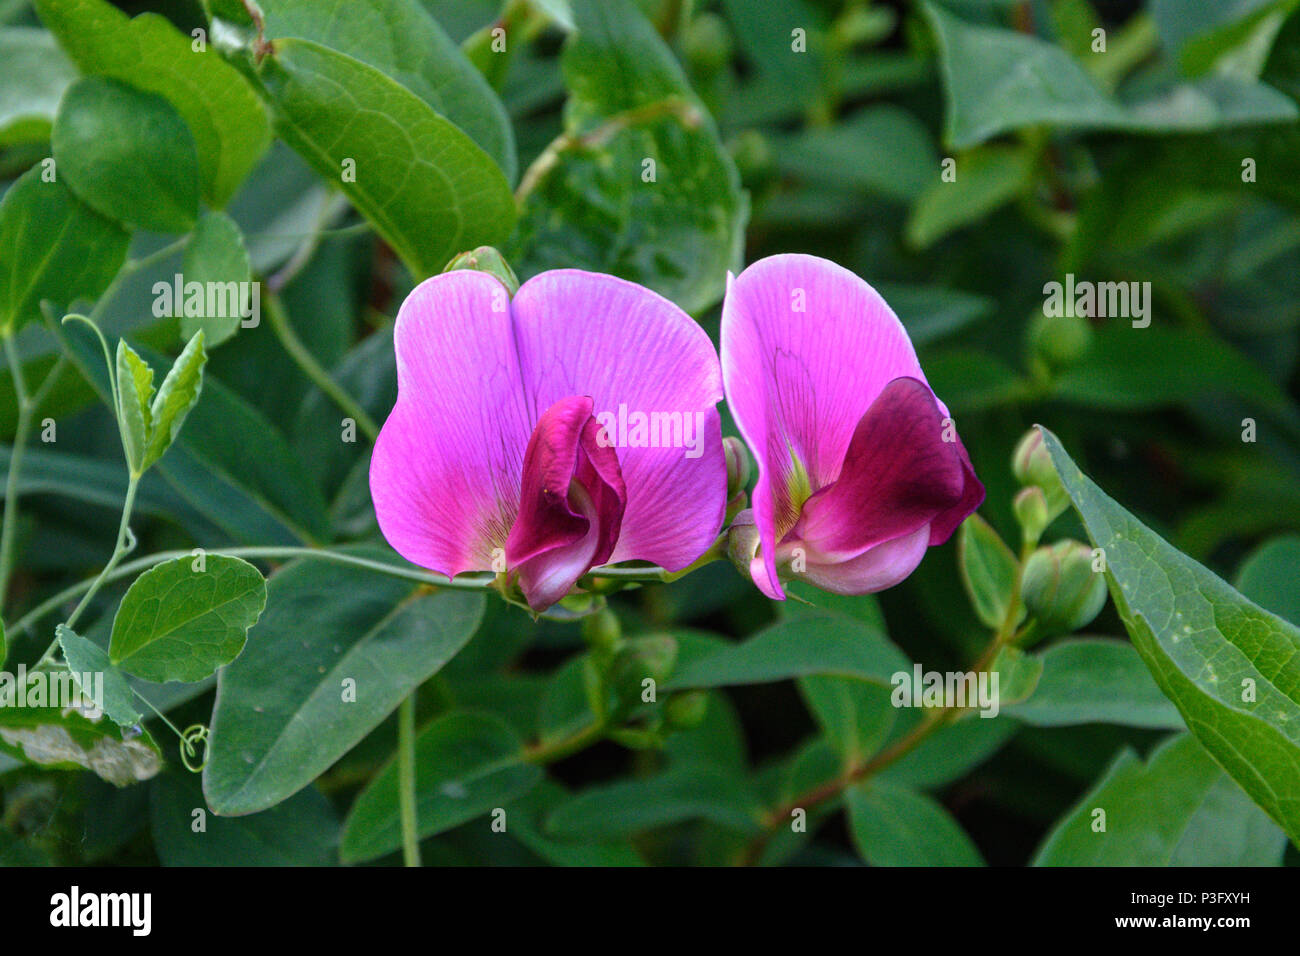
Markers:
point(465, 765)
point(1177, 809)
point(932, 312)
point(1095, 681)
point(223, 114)
point(950, 753)
point(87, 659)
point(400, 39)
point(591, 203)
point(56, 248)
point(816, 644)
point(684, 791)
point(127, 154)
point(134, 392)
point(335, 653)
point(894, 826)
point(216, 257)
point(1226, 663)
point(302, 831)
point(182, 619)
point(526, 818)
point(1018, 674)
point(1148, 367)
point(997, 80)
point(856, 715)
point(266, 498)
point(37, 74)
point(883, 150)
point(988, 570)
point(427, 188)
point(986, 179)
point(1269, 575)
point(64, 739)
point(177, 395)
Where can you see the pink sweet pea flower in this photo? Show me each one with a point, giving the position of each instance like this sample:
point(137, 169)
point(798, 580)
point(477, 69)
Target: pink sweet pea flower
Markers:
point(859, 466)
point(494, 452)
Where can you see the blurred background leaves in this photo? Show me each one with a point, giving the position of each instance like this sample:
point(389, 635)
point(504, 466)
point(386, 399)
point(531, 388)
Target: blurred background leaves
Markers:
point(958, 154)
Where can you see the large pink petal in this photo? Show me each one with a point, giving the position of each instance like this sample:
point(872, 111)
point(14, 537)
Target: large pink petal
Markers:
point(581, 333)
point(875, 569)
point(571, 504)
point(903, 469)
point(807, 346)
point(446, 469)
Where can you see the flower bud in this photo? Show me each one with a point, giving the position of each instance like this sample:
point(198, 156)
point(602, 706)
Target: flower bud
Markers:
point(1030, 507)
point(1060, 588)
point(706, 43)
point(486, 259)
point(687, 709)
point(752, 155)
point(742, 542)
point(601, 630)
point(737, 465)
point(1032, 465)
point(1060, 340)
point(651, 657)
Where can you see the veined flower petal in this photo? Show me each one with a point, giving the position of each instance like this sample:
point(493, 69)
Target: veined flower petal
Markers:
point(641, 359)
point(446, 469)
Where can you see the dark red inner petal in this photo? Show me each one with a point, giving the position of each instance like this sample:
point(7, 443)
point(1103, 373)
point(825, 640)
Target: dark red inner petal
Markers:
point(570, 480)
point(899, 474)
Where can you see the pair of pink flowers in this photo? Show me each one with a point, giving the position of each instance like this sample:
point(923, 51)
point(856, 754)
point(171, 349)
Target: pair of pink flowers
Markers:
point(501, 450)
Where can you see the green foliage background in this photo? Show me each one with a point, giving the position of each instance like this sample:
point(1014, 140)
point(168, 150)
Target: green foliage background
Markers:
point(819, 126)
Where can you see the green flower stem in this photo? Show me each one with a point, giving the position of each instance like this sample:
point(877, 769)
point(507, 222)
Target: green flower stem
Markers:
point(28, 404)
point(275, 553)
point(313, 369)
point(21, 430)
point(543, 753)
point(406, 781)
point(125, 544)
point(934, 719)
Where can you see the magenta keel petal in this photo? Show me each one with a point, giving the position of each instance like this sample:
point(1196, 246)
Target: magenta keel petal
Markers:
point(903, 469)
point(571, 504)
point(647, 364)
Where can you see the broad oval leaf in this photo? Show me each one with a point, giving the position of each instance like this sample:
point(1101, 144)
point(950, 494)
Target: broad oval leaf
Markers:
point(302, 831)
point(466, 763)
point(223, 113)
point(999, 79)
point(56, 247)
point(427, 188)
point(37, 74)
point(894, 826)
point(1095, 681)
point(1177, 809)
point(684, 791)
point(402, 40)
point(216, 257)
point(821, 643)
point(1227, 664)
point(182, 619)
point(335, 653)
point(127, 154)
